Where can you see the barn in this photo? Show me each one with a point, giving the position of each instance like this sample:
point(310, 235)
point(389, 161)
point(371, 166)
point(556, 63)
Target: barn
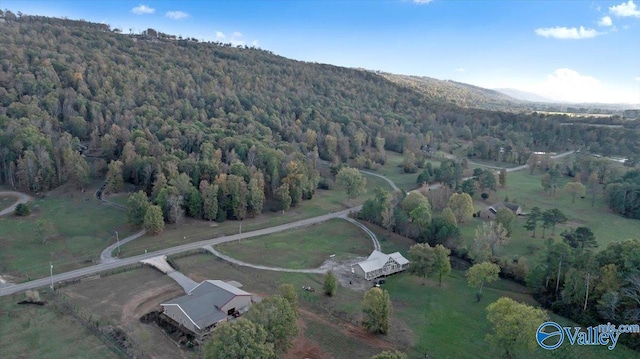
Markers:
point(208, 304)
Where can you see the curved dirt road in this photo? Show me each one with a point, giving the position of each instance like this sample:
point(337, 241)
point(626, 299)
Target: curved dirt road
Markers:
point(390, 182)
point(22, 198)
point(322, 269)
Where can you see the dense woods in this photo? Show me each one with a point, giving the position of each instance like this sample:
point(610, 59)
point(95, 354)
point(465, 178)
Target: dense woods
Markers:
point(215, 131)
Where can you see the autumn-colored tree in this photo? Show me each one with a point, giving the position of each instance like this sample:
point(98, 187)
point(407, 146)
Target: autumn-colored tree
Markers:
point(289, 293)
point(330, 285)
point(377, 310)
point(502, 177)
point(114, 177)
point(481, 273)
point(575, 188)
point(352, 181)
point(137, 204)
point(462, 206)
point(240, 338)
point(513, 324)
point(153, 220)
point(278, 319)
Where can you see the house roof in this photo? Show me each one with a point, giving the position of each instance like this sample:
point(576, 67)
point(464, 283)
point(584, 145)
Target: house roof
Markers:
point(377, 260)
point(202, 305)
point(496, 206)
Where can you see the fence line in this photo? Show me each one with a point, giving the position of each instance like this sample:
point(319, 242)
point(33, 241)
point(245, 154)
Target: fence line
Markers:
point(93, 326)
point(128, 268)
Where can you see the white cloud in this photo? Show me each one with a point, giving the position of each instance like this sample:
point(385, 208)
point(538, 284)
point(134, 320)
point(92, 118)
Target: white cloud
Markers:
point(143, 9)
point(176, 15)
point(568, 85)
point(255, 43)
point(637, 78)
point(461, 69)
point(605, 21)
point(234, 39)
point(564, 33)
point(422, 2)
point(236, 34)
point(220, 35)
point(628, 9)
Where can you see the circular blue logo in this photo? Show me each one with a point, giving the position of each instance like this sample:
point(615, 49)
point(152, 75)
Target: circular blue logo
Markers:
point(550, 339)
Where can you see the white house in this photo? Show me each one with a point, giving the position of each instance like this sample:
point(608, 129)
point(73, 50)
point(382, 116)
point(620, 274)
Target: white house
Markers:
point(209, 303)
point(379, 264)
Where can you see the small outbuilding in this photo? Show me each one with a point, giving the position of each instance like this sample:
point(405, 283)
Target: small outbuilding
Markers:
point(379, 264)
point(208, 304)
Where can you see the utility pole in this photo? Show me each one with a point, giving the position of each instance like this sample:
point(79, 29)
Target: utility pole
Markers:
point(51, 273)
point(118, 241)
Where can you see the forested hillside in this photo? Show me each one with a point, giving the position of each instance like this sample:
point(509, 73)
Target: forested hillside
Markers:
point(78, 100)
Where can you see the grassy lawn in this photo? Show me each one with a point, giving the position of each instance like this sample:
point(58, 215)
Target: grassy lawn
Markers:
point(6, 201)
point(526, 190)
point(323, 202)
point(30, 331)
point(79, 228)
point(302, 248)
point(449, 323)
point(118, 198)
point(390, 242)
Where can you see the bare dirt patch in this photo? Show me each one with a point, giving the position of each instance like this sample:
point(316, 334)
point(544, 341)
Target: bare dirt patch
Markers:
point(119, 301)
point(147, 301)
point(348, 329)
point(304, 347)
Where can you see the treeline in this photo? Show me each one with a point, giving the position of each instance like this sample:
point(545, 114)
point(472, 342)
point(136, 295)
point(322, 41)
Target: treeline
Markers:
point(214, 189)
point(590, 288)
point(623, 194)
point(74, 97)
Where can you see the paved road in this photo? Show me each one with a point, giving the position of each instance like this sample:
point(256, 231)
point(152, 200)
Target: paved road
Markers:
point(390, 182)
point(78, 273)
point(513, 169)
point(22, 198)
point(106, 256)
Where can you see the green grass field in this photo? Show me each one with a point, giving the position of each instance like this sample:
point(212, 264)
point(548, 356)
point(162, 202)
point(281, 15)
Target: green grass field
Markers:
point(302, 248)
point(79, 228)
point(449, 323)
point(30, 331)
point(323, 202)
point(526, 190)
point(118, 198)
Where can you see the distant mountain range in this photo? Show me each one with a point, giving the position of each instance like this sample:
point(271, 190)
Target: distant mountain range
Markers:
point(458, 93)
point(503, 99)
point(523, 95)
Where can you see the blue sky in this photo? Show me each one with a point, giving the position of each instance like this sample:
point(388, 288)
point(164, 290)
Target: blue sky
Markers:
point(577, 51)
